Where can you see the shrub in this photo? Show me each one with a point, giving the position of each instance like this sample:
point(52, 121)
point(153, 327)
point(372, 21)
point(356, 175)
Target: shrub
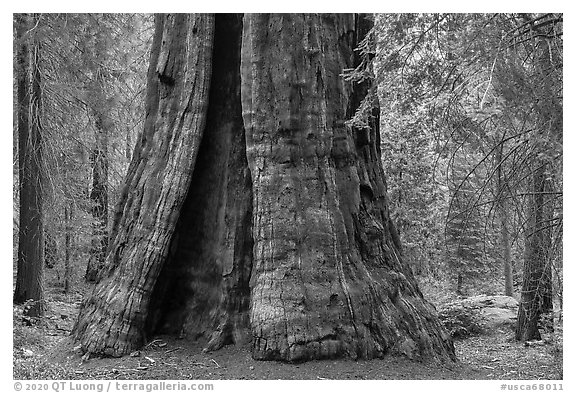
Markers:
point(461, 320)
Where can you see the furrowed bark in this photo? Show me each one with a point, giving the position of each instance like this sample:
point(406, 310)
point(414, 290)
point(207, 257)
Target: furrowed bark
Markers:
point(31, 172)
point(112, 319)
point(536, 295)
point(327, 279)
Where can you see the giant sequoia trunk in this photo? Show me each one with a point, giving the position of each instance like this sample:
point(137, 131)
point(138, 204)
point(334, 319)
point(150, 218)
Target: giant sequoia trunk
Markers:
point(276, 228)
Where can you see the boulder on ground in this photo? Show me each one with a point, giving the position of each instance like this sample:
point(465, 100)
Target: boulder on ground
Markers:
point(479, 315)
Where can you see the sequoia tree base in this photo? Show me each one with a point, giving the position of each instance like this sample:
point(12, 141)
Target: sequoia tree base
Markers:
point(281, 235)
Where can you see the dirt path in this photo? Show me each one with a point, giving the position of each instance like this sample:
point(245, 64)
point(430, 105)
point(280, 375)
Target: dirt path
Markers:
point(487, 357)
point(497, 356)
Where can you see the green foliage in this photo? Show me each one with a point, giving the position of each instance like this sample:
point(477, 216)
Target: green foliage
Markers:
point(465, 235)
point(414, 75)
point(91, 64)
point(461, 97)
point(414, 195)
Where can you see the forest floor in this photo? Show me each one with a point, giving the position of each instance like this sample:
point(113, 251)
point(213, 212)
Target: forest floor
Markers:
point(44, 351)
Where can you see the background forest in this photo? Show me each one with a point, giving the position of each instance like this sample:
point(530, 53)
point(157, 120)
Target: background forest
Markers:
point(471, 130)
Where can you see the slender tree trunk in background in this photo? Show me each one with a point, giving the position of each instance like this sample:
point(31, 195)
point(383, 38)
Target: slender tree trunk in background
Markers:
point(279, 228)
point(327, 278)
point(99, 197)
point(113, 317)
point(504, 232)
point(23, 98)
point(507, 260)
point(536, 297)
point(100, 109)
point(459, 285)
point(548, 295)
point(68, 236)
point(31, 228)
point(128, 148)
point(536, 286)
point(50, 250)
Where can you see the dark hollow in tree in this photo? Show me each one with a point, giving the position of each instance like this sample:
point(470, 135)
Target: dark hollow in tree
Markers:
point(204, 285)
point(275, 227)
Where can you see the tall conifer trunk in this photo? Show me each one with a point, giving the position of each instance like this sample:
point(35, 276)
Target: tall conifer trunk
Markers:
point(100, 109)
point(99, 194)
point(31, 228)
point(502, 207)
point(536, 296)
